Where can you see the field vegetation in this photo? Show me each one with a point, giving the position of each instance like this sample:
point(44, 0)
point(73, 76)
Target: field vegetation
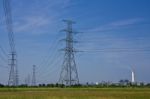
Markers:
point(74, 93)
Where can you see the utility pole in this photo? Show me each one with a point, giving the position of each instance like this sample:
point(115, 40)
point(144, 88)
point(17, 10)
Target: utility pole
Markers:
point(69, 74)
point(13, 75)
point(28, 80)
point(34, 76)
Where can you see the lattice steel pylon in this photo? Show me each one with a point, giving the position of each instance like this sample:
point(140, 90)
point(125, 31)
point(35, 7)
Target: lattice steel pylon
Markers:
point(69, 74)
point(13, 75)
point(34, 76)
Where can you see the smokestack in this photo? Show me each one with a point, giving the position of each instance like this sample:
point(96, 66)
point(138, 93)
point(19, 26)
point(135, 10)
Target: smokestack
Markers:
point(133, 77)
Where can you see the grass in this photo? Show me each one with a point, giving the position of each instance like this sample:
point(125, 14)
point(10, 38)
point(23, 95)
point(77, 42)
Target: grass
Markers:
point(74, 93)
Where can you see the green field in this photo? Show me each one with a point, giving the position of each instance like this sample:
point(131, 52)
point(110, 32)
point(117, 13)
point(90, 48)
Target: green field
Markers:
point(74, 93)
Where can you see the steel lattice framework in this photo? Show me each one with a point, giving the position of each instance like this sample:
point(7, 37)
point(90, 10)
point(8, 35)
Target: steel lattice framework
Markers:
point(34, 76)
point(69, 74)
point(13, 75)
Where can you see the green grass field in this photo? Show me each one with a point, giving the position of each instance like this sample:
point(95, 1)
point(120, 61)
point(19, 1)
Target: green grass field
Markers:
point(74, 93)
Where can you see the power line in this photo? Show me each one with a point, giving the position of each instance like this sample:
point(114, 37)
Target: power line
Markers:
point(3, 59)
point(52, 65)
point(51, 71)
point(3, 55)
point(3, 51)
point(90, 31)
point(45, 59)
point(8, 19)
point(50, 59)
point(116, 50)
point(4, 66)
point(49, 66)
point(111, 39)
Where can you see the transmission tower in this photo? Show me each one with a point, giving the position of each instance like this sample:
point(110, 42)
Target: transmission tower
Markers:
point(34, 76)
point(13, 75)
point(28, 80)
point(69, 74)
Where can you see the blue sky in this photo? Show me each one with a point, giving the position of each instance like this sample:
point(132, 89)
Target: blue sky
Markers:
point(106, 25)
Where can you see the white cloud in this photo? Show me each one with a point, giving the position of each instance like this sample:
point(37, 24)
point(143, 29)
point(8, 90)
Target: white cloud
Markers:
point(125, 22)
point(31, 23)
point(61, 3)
point(40, 16)
point(116, 25)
